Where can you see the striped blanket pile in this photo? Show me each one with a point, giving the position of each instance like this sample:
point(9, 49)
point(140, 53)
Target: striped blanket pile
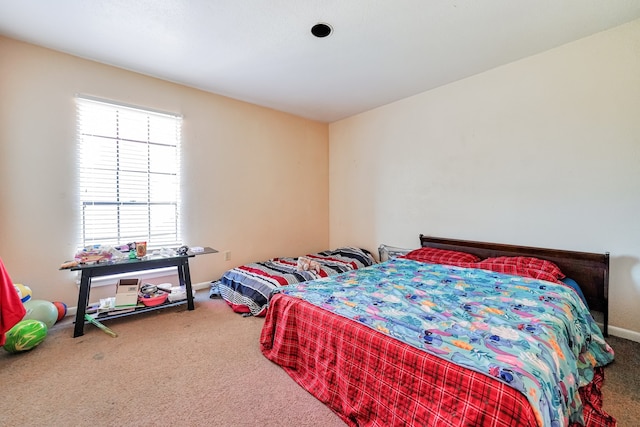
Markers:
point(247, 288)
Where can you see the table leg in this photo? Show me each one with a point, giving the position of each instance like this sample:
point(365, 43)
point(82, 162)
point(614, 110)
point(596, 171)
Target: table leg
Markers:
point(186, 282)
point(83, 300)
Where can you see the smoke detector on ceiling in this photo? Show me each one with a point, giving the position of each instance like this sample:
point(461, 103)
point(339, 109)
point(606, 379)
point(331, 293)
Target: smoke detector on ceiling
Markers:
point(321, 30)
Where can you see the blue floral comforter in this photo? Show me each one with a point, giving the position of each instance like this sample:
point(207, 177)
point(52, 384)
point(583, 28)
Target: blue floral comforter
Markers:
point(534, 335)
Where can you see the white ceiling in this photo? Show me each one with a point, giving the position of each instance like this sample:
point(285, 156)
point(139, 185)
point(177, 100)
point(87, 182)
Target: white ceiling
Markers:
point(262, 51)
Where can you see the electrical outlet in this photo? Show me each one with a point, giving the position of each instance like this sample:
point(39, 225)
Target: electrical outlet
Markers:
point(227, 255)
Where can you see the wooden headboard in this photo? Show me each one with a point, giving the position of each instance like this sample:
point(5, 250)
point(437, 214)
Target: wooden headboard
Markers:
point(589, 270)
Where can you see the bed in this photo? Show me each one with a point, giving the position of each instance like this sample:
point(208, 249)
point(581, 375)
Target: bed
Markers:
point(443, 342)
point(247, 288)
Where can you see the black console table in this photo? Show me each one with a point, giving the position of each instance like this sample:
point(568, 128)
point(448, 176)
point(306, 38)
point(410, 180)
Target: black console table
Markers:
point(88, 271)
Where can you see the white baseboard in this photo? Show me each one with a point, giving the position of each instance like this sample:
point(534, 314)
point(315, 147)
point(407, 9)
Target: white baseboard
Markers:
point(624, 333)
point(200, 286)
point(71, 311)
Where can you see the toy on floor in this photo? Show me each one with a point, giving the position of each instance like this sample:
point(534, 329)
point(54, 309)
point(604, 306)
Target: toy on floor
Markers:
point(25, 335)
point(100, 326)
point(24, 292)
point(11, 307)
point(41, 310)
point(62, 310)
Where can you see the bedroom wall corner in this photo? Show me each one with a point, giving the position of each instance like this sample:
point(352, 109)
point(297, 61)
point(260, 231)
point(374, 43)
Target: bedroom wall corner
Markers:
point(540, 152)
point(255, 180)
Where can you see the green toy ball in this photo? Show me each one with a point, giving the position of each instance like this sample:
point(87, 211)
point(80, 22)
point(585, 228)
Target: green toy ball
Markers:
point(25, 335)
point(44, 311)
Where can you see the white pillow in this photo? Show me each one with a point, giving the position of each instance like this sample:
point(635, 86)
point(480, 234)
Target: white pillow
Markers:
point(387, 252)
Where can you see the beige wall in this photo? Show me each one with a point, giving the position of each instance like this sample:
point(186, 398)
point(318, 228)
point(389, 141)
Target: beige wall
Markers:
point(255, 180)
point(543, 152)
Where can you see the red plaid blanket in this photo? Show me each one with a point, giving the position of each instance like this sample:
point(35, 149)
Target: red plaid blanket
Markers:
point(369, 379)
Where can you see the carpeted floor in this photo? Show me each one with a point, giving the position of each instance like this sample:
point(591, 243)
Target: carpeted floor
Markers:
point(167, 368)
point(621, 390)
point(193, 368)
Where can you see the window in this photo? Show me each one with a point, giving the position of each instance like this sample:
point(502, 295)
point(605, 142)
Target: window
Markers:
point(129, 175)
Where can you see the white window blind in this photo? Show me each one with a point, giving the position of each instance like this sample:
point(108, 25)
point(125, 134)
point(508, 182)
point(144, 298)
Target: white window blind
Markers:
point(129, 175)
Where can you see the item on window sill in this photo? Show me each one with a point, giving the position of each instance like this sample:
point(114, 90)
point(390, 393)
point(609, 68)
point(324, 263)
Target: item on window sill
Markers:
point(69, 264)
point(141, 249)
point(161, 253)
point(92, 259)
point(98, 253)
